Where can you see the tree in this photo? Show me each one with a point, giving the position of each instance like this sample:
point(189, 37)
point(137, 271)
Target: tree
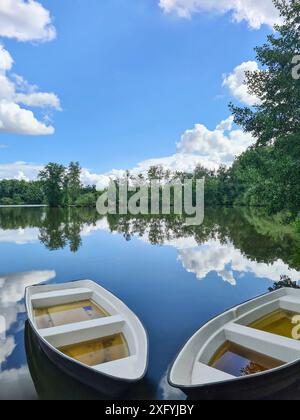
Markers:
point(277, 113)
point(53, 177)
point(73, 182)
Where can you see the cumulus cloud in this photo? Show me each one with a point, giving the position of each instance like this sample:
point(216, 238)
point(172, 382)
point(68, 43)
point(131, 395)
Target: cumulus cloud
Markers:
point(235, 82)
point(14, 92)
point(215, 256)
point(6, 60)
point(12, 290)
point(17, 384)
point(216, 147)
point(25, 21)
point(20, 170)
point(255, 12)
point(16, 120)
point(225, 259)
point(13, 286)
point(198, 146)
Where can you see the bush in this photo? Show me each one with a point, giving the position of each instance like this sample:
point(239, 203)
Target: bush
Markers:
point(297, 224)
point(86, 200)
point(6, 201)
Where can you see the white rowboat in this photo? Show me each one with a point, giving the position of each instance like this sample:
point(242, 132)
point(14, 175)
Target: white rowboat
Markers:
point(249, 352)
point(90, 334)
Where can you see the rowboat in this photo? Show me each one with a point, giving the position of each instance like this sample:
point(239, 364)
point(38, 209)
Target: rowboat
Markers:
point(249, 352)
point(90, 334)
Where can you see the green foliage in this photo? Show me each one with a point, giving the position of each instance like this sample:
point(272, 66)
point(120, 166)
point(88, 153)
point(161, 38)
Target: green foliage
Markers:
point(285, 281)
point(297, 224)
point(62, 186)
point(53, 177)
point(73, 184)
point(86, 200)
point(277, 114)
point(15, 192)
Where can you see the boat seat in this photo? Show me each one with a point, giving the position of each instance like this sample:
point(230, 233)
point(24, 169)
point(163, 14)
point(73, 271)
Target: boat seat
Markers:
point(203, 374)
point(290, 303)
point(272, 345)
point(124, 368)
point(83, 331)
point(60, 297)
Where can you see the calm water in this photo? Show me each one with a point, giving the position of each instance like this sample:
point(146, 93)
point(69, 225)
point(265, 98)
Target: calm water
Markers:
point(175, 279)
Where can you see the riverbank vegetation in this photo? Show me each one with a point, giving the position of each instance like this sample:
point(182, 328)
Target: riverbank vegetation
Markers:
point(57, 186)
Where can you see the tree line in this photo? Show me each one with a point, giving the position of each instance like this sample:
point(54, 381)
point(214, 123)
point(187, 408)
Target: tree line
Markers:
point(57, 186)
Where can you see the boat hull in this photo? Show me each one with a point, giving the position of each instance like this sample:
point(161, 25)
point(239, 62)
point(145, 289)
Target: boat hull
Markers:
point(108, 387)
point(279, 383)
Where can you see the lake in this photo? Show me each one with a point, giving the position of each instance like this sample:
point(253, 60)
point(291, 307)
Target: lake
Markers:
point(174, 277)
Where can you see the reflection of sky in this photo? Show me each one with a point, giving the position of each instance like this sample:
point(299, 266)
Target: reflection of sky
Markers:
point(19, 236)
point(28, 235)
point(12, 310)
point(157, 283)
point(225, 259)
point(213, 256)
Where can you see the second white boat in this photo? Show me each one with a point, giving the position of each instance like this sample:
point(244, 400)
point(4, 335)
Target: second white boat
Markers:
point(249, 352)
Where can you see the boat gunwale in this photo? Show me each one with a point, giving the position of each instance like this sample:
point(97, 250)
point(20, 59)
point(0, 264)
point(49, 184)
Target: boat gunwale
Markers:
point(211, 385)
point(76, 362)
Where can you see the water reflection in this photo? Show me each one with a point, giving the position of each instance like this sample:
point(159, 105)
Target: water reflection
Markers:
point(229, 241)
point(202, 270)
point(15, 380)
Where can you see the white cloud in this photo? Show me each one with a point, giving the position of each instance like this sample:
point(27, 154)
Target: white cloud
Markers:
point(254, 12)
point(6, 60)
point(19, 236)
point(14, 92)
point(198, 146)
point(39, 100)
point(224, 259)
point(19, 169)
point(100, 180)
point(25, 21)
point(16, 120)
point(12, 291)
point(13, 286)
point(235, 82)
point(182, 162)
point(31, 234)
point(218, 257)
point(216, 147)
point(17, 384)
point(6, 348)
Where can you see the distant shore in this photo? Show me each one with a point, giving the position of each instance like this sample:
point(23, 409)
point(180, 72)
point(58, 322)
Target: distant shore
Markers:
point(23, 205)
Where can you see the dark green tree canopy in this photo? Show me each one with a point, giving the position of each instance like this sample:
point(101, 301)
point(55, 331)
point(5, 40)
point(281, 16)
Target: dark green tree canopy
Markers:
point(278, 113)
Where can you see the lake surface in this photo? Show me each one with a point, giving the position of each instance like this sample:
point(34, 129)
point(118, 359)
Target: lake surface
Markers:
point(174, 277)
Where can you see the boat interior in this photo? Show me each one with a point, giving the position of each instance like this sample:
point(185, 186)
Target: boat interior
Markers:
point(87, 327)
point(249, 339)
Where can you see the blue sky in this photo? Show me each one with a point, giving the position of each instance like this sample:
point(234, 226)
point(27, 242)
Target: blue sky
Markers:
point(132, 76)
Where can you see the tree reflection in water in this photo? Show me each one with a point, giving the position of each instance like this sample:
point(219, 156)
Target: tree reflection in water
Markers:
point(258, 237)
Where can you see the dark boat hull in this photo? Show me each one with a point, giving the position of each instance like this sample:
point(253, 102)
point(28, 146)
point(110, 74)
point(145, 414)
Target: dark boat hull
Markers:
point(266, 386)
point(108, 386)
